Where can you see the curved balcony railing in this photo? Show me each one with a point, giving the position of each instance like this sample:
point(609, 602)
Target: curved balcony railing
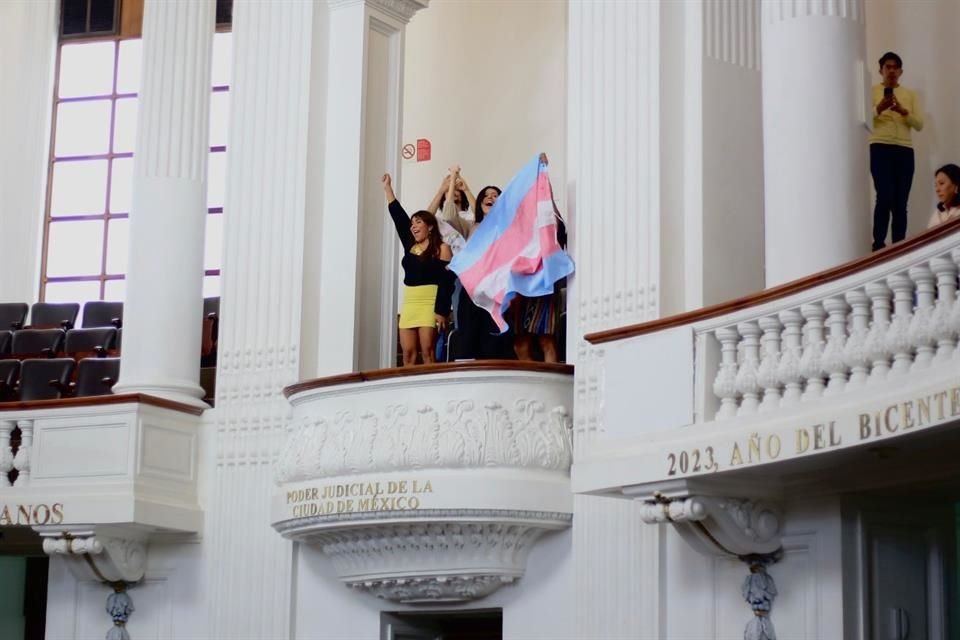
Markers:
point(429, 483)
point(873, 319)
point(850, 356)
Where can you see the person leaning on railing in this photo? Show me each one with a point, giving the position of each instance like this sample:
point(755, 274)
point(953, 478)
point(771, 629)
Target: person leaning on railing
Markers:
point(946, 183)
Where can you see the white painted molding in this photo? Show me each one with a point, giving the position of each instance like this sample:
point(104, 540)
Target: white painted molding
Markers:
point(401, 10)
point(445, 555)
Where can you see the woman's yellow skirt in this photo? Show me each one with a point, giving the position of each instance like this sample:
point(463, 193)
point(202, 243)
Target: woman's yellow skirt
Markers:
point(417, 308)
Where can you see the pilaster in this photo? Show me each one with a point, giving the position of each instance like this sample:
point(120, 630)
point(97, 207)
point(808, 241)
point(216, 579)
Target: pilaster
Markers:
point(259, 342)
point(358, 255)
point(613, 143)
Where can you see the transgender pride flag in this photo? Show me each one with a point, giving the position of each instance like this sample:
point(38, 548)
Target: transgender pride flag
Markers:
point(514, 250)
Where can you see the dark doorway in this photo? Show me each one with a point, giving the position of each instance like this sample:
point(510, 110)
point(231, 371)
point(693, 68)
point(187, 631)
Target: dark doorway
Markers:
point(475, 624)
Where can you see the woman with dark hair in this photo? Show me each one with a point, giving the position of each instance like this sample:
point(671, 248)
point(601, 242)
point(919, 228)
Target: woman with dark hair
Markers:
point(477, 336)
point(540, 316)
point(426, 280)
point(946, 182)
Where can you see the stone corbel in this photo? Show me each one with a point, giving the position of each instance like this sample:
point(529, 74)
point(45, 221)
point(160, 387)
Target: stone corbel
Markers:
point(96, 554)
point(719, 526)
point(116, 558)
point(745, 529)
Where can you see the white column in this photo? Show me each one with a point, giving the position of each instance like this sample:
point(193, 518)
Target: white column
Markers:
point(817, 204)
point(28, 50)
point(272, 95)
point(164, 305)
point(613, 195)
point(358, 248)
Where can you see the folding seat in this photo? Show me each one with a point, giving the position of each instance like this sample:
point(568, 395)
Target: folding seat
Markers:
point(9, 374)
point(37, 343)
point(45, 315)
point(89, 342)
point(13, 315)
point(95, 376)
point(101, 313)
point(209, 334)
point(45, 378)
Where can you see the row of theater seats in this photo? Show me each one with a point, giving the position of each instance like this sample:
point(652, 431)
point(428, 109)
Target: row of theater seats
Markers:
point(51, 358)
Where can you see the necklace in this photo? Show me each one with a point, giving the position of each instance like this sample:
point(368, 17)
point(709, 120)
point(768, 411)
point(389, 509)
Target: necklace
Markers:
point(419, 248)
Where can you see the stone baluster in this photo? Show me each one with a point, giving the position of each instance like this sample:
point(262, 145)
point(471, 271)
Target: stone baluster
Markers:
point(791, 351)
point(921, 325)
point(747, 383)
point(955, 313)
point(725, 384)
point(946, 335)
point(769, 361)
point(21, 461)
point(833, 362)
point(898, 335)
point(877, 350)
point(6, 453)
point(855, 353)
point(811, 363)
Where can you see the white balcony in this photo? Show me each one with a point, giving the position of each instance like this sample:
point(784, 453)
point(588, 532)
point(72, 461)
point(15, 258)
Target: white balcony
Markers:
point(431, 483)
point(838, 382)
point(97, 477)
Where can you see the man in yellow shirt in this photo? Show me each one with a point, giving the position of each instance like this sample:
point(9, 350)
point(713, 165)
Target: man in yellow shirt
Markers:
point(896, 113)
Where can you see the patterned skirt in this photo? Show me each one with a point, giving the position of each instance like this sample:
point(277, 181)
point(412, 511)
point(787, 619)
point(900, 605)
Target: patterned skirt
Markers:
point(538, 316)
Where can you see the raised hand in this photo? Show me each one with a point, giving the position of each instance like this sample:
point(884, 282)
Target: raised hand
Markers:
point(387, 183)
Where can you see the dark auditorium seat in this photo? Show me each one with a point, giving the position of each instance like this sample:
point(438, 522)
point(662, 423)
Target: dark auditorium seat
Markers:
point(9, 374)
point(210, 331)
point(45, 315)
point(45, 379)
point(37, 343)
point(6, 338)
point(101, 313)
point(95, 376)
point(13, 315)
point(82, 343)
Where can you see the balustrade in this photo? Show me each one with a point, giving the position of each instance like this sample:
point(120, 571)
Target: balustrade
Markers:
point(840, 341)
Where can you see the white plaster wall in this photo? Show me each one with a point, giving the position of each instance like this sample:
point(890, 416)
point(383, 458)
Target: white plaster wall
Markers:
point(711, 154)
point(28, 36)
point(485, 83)
point(733, 213)
point(539, 606)
point(703, 597)
point(170, 602)
point(921, 31)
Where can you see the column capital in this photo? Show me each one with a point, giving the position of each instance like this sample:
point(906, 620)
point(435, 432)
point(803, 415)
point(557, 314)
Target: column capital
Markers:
point(402, 10)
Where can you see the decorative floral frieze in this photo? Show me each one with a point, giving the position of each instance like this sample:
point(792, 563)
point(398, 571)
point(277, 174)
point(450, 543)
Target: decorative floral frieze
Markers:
point(401, 437)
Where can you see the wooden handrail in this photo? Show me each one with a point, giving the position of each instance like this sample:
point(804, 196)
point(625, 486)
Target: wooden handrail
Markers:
point(775, 293)
point(426, 369)
point(93, 401)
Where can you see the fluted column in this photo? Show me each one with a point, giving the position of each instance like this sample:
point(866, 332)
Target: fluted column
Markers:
point(814, 144)
point(28, 53)
point(356, 320)
point(164, 305)
point(613, 115)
